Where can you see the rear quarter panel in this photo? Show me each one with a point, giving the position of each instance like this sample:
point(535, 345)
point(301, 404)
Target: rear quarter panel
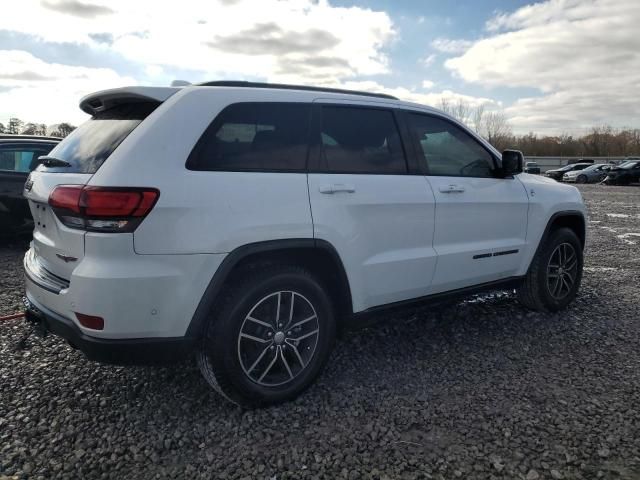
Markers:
point(204, 212)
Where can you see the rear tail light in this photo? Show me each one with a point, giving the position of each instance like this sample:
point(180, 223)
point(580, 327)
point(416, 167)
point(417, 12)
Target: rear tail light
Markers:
point(102, 209)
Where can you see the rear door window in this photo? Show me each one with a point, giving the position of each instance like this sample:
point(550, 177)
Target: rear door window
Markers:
point(360, 140)
point(89, 145)
point(256, 137)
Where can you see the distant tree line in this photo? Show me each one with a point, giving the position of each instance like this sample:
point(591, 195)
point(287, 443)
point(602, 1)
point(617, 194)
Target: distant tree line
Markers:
point(15, 126)
point(603, 141)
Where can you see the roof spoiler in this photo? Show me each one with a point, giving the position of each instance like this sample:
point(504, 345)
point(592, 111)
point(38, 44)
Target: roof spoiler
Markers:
point(103, 100)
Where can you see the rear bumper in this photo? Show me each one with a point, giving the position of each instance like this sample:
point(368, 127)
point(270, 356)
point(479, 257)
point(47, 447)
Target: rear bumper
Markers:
point(135, 351)
point(138, 296)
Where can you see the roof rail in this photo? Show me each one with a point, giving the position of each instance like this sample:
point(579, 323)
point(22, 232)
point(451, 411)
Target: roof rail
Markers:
point(11, 136)
point(281, 86)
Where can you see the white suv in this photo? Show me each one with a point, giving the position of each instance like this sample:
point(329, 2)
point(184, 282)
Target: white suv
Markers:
point(245, 223)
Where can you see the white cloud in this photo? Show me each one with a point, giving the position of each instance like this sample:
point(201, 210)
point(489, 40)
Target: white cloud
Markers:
point(433, 99)
point(310, 42)
point(220, 37)
point(44, 92)
point(583, 56)
point(49, 93)
point(448, 45)
point(153, 70)
point(428, 60)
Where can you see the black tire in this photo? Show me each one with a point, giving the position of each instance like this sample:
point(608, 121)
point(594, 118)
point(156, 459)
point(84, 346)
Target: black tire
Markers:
point(221, 356)
point(536, 290)
point(581, 179)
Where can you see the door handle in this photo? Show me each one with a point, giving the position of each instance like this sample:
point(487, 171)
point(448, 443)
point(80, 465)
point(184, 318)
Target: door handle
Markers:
point(452, 189)
point(336, 188)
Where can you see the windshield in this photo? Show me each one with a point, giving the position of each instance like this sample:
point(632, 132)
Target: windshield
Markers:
point(566, 168)
point(89, 145)
point(630, 164)
point(593, 167)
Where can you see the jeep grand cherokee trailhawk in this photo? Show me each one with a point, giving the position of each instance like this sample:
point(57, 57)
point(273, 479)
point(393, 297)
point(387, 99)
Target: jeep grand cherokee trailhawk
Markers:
point(245, 223)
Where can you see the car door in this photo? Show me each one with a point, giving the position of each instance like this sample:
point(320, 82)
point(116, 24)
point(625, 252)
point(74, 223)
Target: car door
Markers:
point(365, 203)
point(635, 172)
point(17, 159)
point(480, 218)
point(598, 173)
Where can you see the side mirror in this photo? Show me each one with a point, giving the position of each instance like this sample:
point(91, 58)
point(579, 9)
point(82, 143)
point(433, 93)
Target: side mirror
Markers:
point(512, 161)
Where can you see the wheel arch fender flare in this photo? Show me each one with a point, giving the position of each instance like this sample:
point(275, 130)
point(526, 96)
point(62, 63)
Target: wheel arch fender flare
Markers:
point(266, 248)
point(570, 218)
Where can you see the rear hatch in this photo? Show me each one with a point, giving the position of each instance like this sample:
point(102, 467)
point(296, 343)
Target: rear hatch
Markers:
point(58, 243)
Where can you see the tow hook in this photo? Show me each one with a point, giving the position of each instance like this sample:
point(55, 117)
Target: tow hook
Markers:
point(36, 324)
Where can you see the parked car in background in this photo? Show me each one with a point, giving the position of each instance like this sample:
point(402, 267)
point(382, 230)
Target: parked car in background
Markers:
point(582, 160)
point(592, 174)
point(18, 156)
point(558, 173)
point(531, 167)
point(624, 174)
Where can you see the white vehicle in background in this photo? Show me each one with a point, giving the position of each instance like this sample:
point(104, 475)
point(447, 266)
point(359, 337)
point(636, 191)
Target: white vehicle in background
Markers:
point(592, 174)
point(532, 167)
point(245, 223)
point(558, 173)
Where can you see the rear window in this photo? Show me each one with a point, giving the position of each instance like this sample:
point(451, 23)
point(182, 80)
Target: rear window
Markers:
point(89, 145)
point(21, 158)
point(255, 137)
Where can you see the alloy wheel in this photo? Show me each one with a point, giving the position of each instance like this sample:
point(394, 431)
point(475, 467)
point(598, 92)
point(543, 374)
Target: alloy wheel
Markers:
point(278, 338)
point(562, 270)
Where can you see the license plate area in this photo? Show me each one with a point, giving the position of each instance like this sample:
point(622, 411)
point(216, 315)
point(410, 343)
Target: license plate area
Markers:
point(42, 216)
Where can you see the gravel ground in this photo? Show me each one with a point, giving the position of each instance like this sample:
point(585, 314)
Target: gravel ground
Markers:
point(481, 389)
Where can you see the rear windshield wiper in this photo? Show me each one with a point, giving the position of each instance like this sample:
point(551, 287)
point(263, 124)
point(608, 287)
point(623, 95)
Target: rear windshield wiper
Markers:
point(48, 161)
